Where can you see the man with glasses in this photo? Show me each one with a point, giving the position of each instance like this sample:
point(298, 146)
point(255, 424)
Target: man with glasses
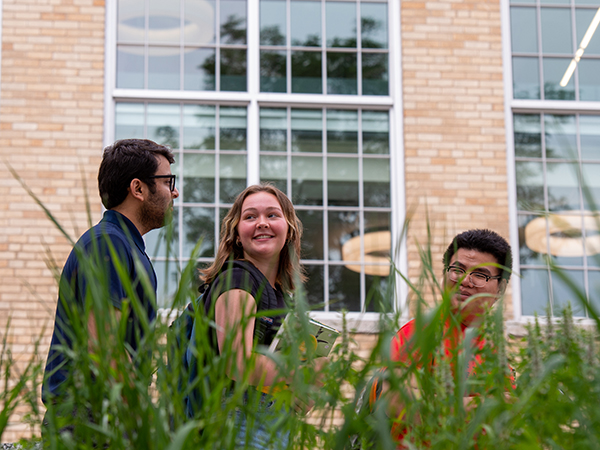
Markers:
point(476, 272)
point(108, 270)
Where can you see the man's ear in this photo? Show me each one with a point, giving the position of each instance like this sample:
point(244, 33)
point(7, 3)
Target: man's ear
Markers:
point(137, 189)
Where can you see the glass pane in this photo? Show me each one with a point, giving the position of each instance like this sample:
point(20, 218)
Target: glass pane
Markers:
point(163, 124)
point(306, 73)
point(594, 289)
point(273, 71)
point(562, 294)
point(528, 135)
point(343, 226)
point(199, 225)
point(565, 243)
point(340, 24)
point(379, 296)
point(555, 2)
point(164, 242)
point(376, 176)
point(530, 186)
point(129, 120)
point(130, 67)
point(273, 129)
point(233, 21)
point(307, 130)
point(523, 27)
point(561, 136)
point(307, 181)
point(312, 239)
point(199, 127)
point(533, 239)
point(167, 275)
point(342, 181)
point(376, 132)
point(583, 20)
point(233, 69)
point(563, 189)
point(535, 292)
point(342, 131)
point(315, 287)
point(344, 289)
point(591, 188)
point(375, 74)
point(589, 135)
point(526, 78)
point(199, 178)
point(232, 128)
point(274, 170)
point(373, 25)
point(306, 23)
point(589, 82)
point(377, 248)
point(341, 73)
point(199, 69)
point(163, 68)
point(591, 227)
point(557, 35)
point(164, 22)
point(554, 70)
point(131, 21)
point(199, 25)
point(233, 176)
point(272, 22)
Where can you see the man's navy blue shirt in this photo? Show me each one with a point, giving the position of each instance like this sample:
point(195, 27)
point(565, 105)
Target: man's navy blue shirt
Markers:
point(92, 255)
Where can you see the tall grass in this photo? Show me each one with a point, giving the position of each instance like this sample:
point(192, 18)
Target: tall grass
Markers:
point(137, 402)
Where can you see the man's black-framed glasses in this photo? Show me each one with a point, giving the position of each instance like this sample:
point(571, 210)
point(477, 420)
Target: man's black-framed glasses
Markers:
point(171, 178)
point(477, 279)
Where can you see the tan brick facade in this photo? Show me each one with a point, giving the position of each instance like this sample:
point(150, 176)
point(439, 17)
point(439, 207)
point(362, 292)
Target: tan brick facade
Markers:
point(51, 128)
point(51, 133)
point(454, 135)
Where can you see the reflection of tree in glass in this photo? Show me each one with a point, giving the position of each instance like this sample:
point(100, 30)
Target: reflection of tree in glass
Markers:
point(232, 63)
point(552, 91)
point(370, 25)
point(530, 197)
point(166, 135)
point(233, 31)
point(271, 36)
point(312, 40)
point(200, 226)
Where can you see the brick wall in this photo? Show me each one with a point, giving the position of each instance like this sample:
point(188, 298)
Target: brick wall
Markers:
point(455, 149)
point(51, 126)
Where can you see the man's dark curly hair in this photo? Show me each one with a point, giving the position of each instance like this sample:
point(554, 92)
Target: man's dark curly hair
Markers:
point(125, 160)
point(485, 241)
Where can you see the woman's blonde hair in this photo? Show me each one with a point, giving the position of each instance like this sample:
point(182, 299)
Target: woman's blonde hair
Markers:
point(289, 269)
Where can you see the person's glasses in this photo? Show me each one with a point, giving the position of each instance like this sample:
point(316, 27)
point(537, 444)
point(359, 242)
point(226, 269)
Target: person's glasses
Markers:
point(477, 279)
point(171, 178)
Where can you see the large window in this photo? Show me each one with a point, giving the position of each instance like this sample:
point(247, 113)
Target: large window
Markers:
point(557, 168)
point(555, 48)
point(175, 67)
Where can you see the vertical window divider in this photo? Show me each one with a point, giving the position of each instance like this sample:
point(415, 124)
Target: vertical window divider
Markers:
point(146, 49)
point(323, 48)
point(358, 49)
point(288, 47)
point(361, 214)
point(218, 46)
point(253, 86)
point(325, 210)
point(538, 10)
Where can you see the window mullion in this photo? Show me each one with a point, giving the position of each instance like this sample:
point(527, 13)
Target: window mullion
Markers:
point(253, 76)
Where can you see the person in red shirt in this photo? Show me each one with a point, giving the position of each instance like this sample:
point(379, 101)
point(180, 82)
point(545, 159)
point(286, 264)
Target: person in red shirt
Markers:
point(476, 272)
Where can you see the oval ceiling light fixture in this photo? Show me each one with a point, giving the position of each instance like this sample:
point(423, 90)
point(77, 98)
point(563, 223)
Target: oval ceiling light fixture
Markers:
point(377, 253)
point(563, 236)
point(198, 26)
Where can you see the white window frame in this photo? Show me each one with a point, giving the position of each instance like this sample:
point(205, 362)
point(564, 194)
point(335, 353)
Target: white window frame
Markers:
point(254, 99)
point(516, 106)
